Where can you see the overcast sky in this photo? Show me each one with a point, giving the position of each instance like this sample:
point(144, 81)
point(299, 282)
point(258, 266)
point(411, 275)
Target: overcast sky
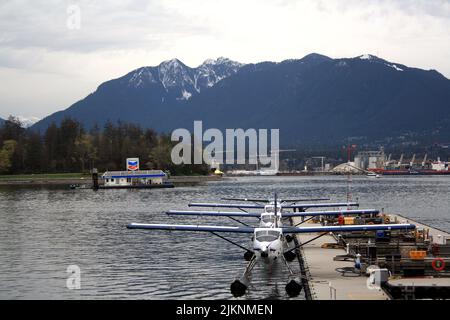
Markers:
point(48, 60)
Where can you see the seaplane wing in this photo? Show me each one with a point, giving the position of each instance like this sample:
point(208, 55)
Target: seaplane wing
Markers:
point(283, 214)
point(319, 229)
point(181, 227)
point(267, 201)
point(246, 199)
point(214, 213)
point(320, 205)
point(329, 213)
point(349, 228)
point(260, 206)
point(225, 205)
point(303, 200)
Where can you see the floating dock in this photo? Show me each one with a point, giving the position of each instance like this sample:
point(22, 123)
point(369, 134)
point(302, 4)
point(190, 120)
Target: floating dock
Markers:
point(326, 276)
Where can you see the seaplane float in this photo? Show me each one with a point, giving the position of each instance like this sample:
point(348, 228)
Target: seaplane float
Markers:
point(271, 238)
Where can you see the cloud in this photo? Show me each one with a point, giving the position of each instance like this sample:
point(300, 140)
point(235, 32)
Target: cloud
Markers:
point(116, 36)
point(103, 26)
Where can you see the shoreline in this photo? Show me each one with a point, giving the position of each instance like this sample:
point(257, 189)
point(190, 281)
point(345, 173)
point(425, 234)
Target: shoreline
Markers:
point(58, 180)
point(82, 179)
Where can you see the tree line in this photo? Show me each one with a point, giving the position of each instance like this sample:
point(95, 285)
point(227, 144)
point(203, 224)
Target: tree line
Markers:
point(70, 148)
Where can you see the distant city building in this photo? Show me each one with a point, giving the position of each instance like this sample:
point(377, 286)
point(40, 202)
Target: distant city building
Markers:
point(370, 159)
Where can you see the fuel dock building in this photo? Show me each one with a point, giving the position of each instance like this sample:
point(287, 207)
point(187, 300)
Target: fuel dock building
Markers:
point(132, 178)
point(138, 179)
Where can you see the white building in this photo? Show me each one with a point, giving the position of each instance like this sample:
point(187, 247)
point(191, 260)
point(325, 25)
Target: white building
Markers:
point(133, 178)
point(370, 159)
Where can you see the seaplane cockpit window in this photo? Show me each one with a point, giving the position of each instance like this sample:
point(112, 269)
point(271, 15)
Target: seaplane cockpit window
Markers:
point(267, 235)
point(267, 218)
point(269, 209)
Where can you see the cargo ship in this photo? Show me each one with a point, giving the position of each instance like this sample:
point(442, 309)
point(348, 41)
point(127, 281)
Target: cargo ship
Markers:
point(437, 168)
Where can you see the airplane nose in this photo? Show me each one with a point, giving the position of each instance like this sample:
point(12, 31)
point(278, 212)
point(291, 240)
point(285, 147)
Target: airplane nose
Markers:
point(264, 252)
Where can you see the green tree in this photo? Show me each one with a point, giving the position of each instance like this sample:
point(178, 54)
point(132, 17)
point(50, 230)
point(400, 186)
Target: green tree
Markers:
point(85, 151)
point(50, 149)
point(6, 155)
point(34, 153)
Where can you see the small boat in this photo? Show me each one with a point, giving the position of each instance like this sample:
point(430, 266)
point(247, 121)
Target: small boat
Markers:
point(372, 175)
point(77, 186)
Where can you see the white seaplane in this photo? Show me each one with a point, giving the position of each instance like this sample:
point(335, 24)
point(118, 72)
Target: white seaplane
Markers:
point(269, 243)
point(271, 213)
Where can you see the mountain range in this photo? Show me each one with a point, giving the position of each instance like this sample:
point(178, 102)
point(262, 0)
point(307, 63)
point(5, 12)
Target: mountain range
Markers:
point(28, 121)
point(313, 100)
point(25, 122)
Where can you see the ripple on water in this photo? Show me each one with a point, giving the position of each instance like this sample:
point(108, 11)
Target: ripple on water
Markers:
point(44, 230)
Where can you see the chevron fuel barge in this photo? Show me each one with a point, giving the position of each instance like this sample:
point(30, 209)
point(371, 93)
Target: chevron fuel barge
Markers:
point(147, 179)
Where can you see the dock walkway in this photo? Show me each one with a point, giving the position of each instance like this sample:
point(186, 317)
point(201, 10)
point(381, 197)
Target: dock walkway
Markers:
point(325, 283)
point(436, 233)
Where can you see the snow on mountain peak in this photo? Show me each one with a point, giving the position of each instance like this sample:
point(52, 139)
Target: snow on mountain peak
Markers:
point(172, 62)
point(220, 61)
point(366, 57)
point(181, 80)
point(140, 77)
point(212, 71)
point(372, 58)
point(173, 73)
point(28, 121)
point(209, 62)
point(185, 95)
point(394, 67)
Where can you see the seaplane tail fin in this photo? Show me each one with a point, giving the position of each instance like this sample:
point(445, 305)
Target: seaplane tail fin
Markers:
point(349, 228)
point(213, 214)
point(198, 228)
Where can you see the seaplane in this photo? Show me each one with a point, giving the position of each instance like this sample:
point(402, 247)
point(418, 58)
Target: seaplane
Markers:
point(274, 212)
point(267, 218)
point(269, 243)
